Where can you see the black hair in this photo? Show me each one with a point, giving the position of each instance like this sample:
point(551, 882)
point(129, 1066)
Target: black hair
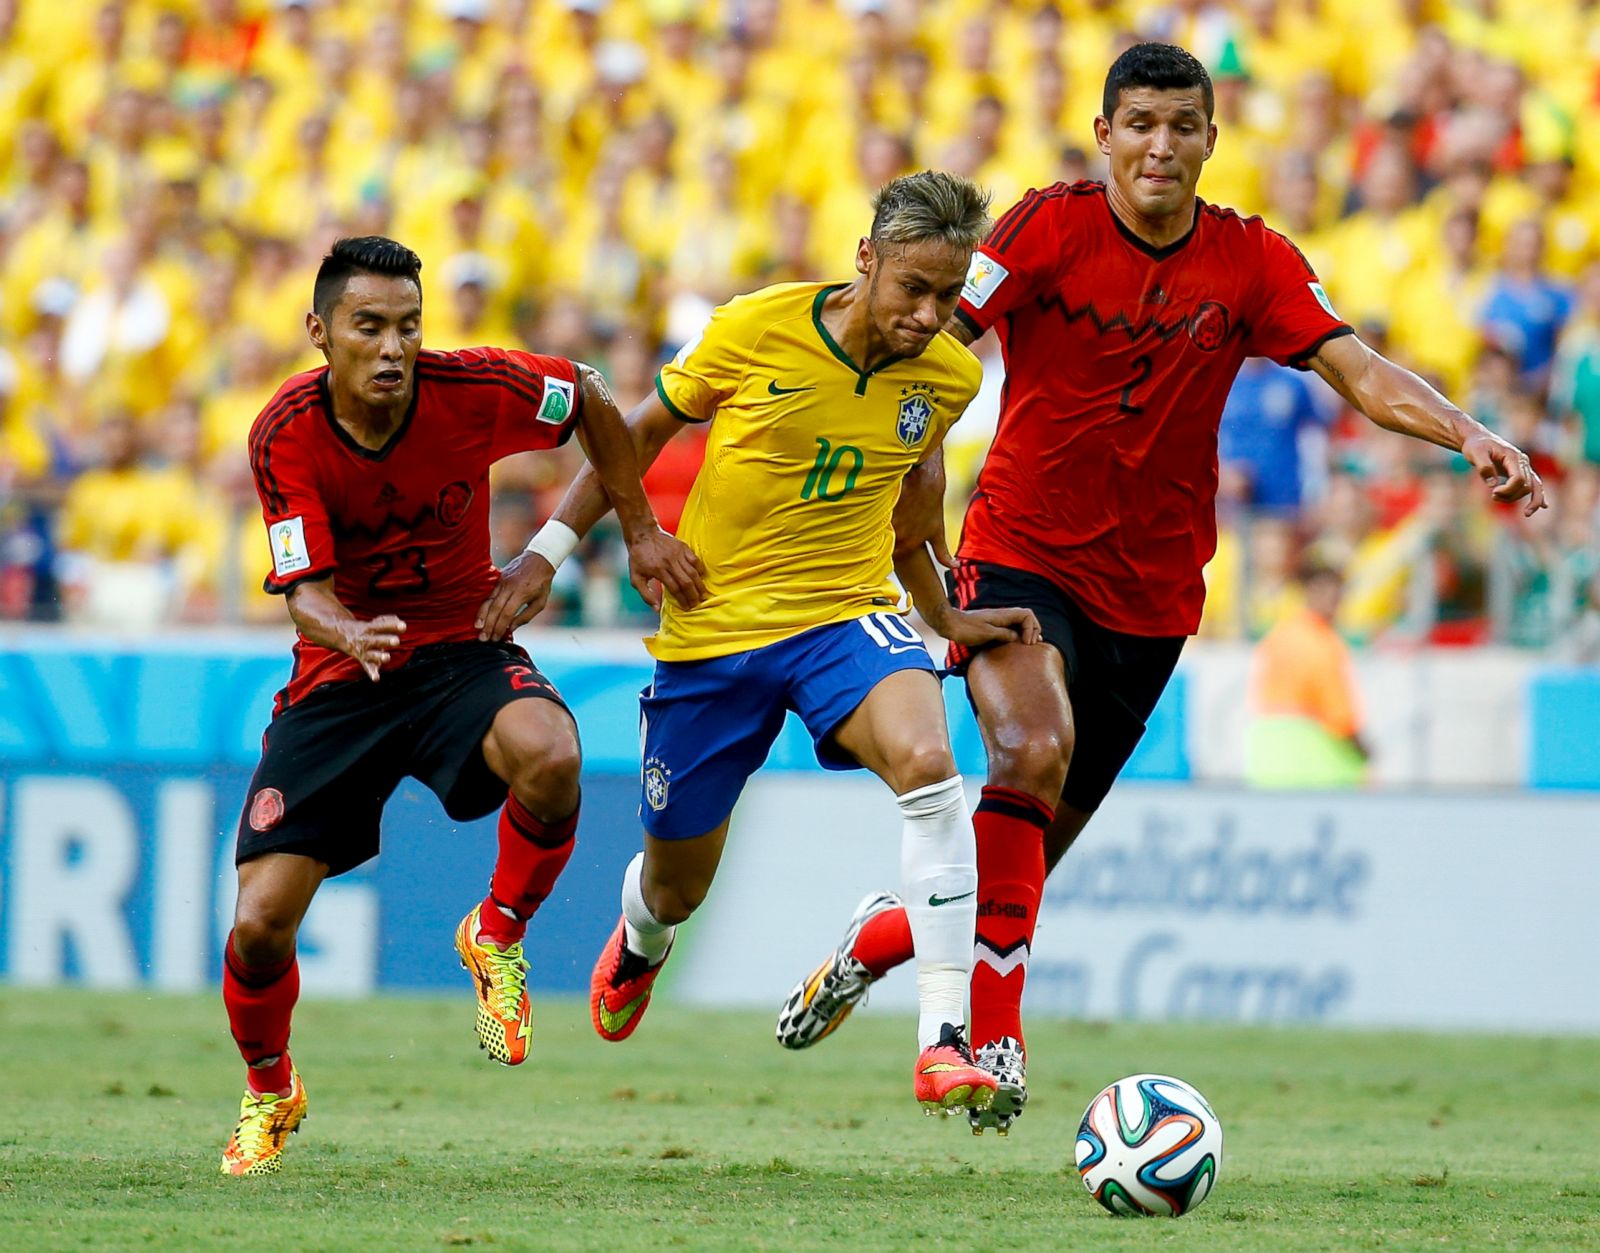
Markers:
point(1166, 67)
point(363, 254)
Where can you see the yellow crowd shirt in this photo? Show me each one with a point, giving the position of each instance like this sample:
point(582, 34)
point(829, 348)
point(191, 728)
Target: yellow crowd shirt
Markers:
point(791, 510)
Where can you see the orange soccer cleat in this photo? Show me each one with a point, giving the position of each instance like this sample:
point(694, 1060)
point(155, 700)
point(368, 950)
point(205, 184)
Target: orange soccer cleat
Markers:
point(619, 989)
point(265, 1124)
point(948, 1080)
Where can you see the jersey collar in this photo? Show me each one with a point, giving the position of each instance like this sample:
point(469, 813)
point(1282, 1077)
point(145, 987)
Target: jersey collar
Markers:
point(360, 450)
point(833, 346)
point(1149, 249)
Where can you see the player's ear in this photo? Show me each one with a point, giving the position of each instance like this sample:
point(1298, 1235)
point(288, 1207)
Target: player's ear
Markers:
point(316, 332)
point(865, 254)
point(1211, 140)
point(1102, 135)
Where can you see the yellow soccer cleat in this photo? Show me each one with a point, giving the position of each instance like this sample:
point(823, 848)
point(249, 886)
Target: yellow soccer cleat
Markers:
point(505, 1015)
point(265, 1123)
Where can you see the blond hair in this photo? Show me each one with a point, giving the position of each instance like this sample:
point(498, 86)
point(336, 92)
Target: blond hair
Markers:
point(930, 205)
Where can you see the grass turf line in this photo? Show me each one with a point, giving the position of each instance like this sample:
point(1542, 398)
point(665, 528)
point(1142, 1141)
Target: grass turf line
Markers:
point(701, 1132)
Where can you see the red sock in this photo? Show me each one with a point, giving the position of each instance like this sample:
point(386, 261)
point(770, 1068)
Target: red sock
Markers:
point(532, 855)
point(260, 1002)
point(1010, 828)
point(884, 942)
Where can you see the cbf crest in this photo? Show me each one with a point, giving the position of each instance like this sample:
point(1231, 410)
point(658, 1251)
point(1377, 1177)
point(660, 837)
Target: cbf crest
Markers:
point(916, 411)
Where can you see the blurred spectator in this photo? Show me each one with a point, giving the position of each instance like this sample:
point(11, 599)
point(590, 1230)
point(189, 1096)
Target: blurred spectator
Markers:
point(1305, 704)
point(589, 177)
point(1524, 308)
point(1272, 435)
point(1575, 374)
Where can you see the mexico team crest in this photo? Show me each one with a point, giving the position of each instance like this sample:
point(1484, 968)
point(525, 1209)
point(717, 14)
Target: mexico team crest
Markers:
point(916, 411)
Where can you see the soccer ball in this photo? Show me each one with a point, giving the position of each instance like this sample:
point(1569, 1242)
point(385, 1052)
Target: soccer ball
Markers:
point(1149, 1144)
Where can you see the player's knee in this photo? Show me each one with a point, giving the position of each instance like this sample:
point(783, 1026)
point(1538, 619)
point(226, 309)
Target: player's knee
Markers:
point(922, 765)
point(672, 903)
point(1031, 759)
point(545, 770)
point(263, 931)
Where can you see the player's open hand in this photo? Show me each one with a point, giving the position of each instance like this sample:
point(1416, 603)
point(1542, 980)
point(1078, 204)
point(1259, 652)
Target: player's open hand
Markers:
point(372, 642)
point(658, 562)
point(1506, 466)
point(523, 591)
point(976, 627)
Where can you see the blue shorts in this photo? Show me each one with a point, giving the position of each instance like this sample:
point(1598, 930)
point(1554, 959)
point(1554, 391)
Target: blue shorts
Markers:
point(708, 725)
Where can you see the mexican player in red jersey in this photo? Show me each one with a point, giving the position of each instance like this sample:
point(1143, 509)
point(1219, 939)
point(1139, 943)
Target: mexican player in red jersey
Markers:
point(373, 474)
point(1124, 312)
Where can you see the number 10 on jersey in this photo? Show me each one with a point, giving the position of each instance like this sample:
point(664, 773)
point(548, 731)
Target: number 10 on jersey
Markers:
point(831, 461)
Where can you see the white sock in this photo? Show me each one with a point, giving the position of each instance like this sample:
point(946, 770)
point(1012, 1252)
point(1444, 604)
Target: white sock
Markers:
point(939, 874)
point(645, 936)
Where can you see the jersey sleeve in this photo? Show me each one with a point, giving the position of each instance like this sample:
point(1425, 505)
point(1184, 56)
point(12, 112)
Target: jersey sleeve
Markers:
point(1020, 259)
point(292, 506)
point(1293, 315)
point(534, 401)
point(708, 368)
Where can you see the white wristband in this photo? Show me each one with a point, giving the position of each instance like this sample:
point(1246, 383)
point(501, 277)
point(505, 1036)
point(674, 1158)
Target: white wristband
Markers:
point(554, 541)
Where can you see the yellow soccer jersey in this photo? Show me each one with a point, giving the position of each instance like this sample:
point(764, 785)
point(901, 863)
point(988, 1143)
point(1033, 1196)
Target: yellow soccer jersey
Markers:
point(791, 510)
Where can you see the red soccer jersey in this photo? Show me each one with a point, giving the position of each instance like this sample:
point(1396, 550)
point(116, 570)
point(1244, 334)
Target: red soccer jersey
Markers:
point(404, 529)
point(1119, 356)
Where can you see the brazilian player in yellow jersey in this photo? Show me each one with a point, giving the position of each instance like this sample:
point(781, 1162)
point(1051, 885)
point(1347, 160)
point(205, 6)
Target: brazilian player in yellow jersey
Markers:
point(821, 398)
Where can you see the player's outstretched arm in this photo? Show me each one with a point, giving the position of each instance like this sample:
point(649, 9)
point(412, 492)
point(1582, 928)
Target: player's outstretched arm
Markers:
point(972, 627)
point(1397, 400)
point(322, 618)
point(524, 587)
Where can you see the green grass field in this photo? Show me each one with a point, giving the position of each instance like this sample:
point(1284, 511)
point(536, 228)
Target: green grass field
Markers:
point(700, 1132)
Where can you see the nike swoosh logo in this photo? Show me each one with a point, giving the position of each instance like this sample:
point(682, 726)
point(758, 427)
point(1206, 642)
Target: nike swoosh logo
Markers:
point(774, 390)
point(616, 1021)
point(908, 648)
point(936, 900)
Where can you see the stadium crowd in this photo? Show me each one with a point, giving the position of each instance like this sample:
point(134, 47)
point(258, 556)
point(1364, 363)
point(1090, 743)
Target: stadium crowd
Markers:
point(591, 177)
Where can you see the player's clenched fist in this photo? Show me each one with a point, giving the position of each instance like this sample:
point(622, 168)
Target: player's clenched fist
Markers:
point(657, 561)
point(371, 642)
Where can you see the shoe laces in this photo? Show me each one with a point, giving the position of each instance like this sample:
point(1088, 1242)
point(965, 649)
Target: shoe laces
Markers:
point(255, 1122)
point(509, 973)
point(836, 987)
point(954, 1037)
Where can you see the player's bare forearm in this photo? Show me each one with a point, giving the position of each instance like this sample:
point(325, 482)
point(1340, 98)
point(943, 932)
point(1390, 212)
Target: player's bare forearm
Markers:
point(919, 513)
point(321, 617)
point(918, 575)
point(961, 330)
point(1398, 400)
point(614, 457)
point(972, 627)
point(650, 426)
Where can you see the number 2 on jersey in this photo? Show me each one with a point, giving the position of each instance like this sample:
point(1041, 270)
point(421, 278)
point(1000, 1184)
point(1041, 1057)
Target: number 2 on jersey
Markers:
point(1142, 365)
point(397, 574)
point(830, 460)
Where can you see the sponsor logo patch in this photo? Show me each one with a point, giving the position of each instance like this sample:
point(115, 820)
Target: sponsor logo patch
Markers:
point(1322, 299)
point(984, 275)
point(559, 397)
point(266, 811)
point(289, 552)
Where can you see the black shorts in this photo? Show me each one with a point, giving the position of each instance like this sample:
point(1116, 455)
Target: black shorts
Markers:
point(1114, 679)
point(330, 761)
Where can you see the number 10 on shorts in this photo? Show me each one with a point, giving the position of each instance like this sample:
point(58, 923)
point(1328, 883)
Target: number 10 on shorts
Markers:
point(891, 631)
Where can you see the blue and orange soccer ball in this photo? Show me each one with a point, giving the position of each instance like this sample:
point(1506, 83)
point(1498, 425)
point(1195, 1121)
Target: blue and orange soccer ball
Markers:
point(1149, 1144)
